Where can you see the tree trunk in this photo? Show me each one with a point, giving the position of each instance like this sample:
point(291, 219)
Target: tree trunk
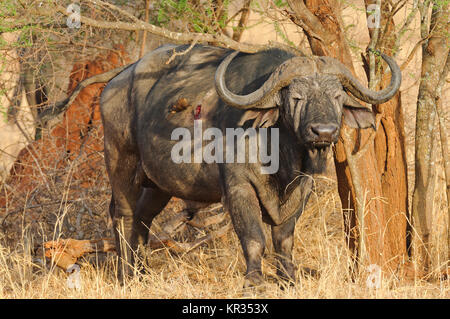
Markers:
point(390, 152)
point(434, 57)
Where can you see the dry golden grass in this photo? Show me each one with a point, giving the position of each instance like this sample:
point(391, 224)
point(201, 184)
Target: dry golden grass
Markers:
point(216, 270)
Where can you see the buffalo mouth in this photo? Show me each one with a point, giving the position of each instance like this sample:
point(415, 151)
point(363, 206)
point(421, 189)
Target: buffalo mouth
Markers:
point(318, 149)
point(320, 144)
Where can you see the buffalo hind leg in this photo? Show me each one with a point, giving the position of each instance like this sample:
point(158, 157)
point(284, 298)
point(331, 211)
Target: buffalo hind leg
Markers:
point(151, 202)
point(126, 183)
point(243, 205)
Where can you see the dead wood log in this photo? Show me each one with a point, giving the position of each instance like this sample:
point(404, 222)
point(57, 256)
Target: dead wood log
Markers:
point(66, 252)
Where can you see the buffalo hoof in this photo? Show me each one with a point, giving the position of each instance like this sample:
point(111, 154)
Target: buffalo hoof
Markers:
point(285, 283)
point(254, 285)
point(287, 273)
point(253, 279)
point(286, 279)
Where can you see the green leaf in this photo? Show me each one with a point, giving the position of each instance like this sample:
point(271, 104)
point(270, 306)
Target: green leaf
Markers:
point(280, 3)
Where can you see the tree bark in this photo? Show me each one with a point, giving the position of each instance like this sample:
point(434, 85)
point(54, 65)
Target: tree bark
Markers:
point(444, 142)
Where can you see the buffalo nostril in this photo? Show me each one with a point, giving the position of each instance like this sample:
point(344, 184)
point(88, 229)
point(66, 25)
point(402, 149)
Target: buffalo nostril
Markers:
point(324, 132)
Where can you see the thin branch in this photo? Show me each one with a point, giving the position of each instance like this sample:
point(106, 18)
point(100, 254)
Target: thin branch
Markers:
point(408, 59)
point(118, 9)
point(372, 45)
point(396, 8)
point(412, 53)
point(234, 16)
point(237, 34)
point(144, 36)
point(24, 209)
point(175, 53)
point(178, 37)
point(404, 27)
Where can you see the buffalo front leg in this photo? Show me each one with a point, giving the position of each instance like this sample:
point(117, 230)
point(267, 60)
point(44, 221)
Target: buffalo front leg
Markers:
point(283, 243)
point(243, 206)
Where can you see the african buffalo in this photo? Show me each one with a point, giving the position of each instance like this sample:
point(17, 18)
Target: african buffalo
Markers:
point(302, 98)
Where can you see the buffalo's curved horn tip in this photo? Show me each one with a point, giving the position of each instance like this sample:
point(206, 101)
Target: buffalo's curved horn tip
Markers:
point(367, 95)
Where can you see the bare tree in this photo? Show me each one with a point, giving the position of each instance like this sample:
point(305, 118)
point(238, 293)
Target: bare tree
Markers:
point(434, 58)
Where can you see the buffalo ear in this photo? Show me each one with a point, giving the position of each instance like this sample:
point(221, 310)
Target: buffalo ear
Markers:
point(262, 118)
point(357, 115)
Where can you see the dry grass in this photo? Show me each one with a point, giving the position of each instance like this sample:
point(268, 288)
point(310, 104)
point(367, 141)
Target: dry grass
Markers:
point(216, 270)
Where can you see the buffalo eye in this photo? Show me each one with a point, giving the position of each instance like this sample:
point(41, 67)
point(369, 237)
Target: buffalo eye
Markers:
point(295, 106)
point(338, 100)
point(339, 97)
point(297, 97)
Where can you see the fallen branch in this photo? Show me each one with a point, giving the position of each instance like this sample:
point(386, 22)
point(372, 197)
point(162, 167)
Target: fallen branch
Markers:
point(208, 221)
point(66, 252)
